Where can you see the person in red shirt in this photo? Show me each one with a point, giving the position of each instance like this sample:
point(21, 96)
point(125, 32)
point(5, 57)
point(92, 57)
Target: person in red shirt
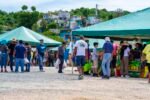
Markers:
point(114, 57)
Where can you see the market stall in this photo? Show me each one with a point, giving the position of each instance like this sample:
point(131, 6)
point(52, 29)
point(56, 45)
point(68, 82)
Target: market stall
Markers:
point(29, 36)
point(133, 26)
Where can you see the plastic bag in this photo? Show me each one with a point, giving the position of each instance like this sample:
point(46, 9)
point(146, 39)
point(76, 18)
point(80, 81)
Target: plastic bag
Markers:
point(26, 61)
point(87, 67)
point(44, 60)
point(64, 64)
point(57, 63)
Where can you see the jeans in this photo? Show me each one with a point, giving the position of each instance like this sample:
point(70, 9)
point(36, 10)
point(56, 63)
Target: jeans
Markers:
point(106, 64)
point(4, 60)
point(11, 59)
point(124, 65)
point(40, 62)
point(28, 65)
point(19, 62)
point(61, 58)
point(51, 62)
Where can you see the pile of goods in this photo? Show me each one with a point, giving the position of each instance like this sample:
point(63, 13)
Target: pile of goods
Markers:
point(134, 68)
point(87, 67)
point(144, 72)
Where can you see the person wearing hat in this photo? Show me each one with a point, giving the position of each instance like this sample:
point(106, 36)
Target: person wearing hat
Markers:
point(11, 48)
point(41, 48)
point(108, 50)
point(4, 55)
point(124, 55)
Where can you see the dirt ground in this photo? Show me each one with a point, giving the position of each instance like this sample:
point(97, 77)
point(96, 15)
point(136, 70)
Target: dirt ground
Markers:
point(50, 85)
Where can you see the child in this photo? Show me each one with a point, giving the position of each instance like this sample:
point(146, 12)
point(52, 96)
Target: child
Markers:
point(95, 59)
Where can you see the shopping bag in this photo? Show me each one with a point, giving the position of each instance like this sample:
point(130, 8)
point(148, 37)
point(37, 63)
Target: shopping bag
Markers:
point(26, 61)
point(44, 60)
point(64, 64)
point(87, 67)
point(57, 63)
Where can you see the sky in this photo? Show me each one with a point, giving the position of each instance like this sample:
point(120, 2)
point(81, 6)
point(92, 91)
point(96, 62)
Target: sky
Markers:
point(52, 5)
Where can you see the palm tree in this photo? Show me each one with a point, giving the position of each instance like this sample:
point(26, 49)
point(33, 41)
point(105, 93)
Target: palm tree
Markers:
point(24, 7)
point(33, 8)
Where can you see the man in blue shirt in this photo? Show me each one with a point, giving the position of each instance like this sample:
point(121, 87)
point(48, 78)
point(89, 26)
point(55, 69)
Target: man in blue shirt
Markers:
point(19, 55)
point(108, 49)
point(40, 52)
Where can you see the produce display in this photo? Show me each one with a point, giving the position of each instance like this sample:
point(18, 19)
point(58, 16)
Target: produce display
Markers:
point(134, 68)
point(144, 72)
point(87, 67)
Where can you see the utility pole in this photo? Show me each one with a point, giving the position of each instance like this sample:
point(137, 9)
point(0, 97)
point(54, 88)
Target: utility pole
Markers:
point(96, 11)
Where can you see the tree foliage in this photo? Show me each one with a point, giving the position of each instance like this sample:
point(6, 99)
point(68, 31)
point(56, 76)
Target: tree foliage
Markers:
point(102, 13)
point(24, 7)
point(53, 36)
point(30, 18)
point(33, 8)
point(52, 25)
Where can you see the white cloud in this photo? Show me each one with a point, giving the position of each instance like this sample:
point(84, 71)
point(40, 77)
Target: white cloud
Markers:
point(45, 5)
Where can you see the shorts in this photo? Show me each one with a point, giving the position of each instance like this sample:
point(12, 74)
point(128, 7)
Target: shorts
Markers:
point(80, 61)
point(148, 64)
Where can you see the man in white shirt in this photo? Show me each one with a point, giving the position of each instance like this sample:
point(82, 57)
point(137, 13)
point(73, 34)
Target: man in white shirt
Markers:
point(80, 53)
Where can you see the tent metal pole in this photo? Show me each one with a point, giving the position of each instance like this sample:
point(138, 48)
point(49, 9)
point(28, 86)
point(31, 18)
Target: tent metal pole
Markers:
point(71, 48)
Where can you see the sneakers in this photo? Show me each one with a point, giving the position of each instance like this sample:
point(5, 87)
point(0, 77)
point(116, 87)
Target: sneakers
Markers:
point(105, 77)
point(95, 75)
point(126, 76)
point(6, 70)
point(122, 76)
point(80, 77)
point(60, 72)
point(41, 70)
point(1, 70)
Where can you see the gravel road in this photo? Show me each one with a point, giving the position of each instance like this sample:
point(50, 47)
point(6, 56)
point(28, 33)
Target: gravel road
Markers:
point(50, 85)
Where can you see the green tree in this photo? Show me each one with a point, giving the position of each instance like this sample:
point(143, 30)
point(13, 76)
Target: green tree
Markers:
point(24, 7)
point(1, 29)
point(52, 25)
point(85, 12)
point(43, 25)
point(27, 19)
point(53, 36)
point(35, 27)
point(33, 8)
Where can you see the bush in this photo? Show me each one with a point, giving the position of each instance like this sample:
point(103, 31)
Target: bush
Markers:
point(53, 36)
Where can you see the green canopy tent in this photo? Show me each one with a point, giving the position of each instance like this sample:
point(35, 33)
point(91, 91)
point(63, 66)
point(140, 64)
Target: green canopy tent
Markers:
point(133, 25)
point(27, 35)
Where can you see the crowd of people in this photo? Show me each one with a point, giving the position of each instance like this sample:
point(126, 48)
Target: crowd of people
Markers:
point(107, 58)
point(20, 54)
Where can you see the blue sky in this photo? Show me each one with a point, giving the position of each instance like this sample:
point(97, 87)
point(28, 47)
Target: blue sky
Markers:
point(52, 5)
